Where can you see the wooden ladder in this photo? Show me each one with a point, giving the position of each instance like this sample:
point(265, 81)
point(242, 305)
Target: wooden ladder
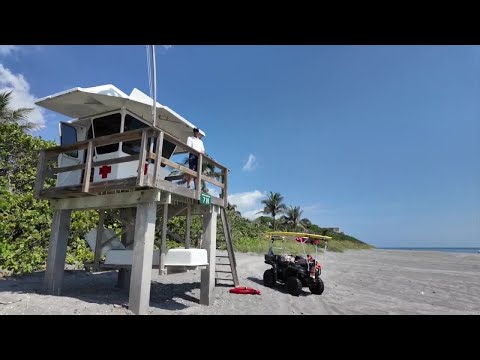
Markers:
point(221, 267)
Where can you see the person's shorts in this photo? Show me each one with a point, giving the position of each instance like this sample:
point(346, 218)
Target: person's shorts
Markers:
point(193, 162)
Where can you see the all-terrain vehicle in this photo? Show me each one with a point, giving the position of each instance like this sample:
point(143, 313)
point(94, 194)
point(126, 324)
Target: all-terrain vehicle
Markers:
point(297, 271)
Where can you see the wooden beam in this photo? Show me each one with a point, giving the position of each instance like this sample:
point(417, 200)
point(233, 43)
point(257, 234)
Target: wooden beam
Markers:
point(99, 240)
point(213, 162)
point(217, 201)
point(123, 137)
point(229, 242)
point(198, 209)
point(170, 193)
point(123, 200)
point(139, 298)
point(175, 210)
point(189, 225)
point(150, 156)
point(176, 189)
point(62, 192)
point(212, 181)
point(182, 199)
point(118, 137)
point(88, 168)
point(180, 144)
point(95, 164)
point(179, 167)
point(174, 177)
point(57, 150)
point(100, 141)
point(58, 170)
point(115, 161)
point(198, 189)
point(163, 243)
point(142, 158)
point(41, 169)
point(57, 251)
point(149, 181)
point(100, 186)
point(177, 142)
point(225, 188)
point(158, 163)
point(207, 277)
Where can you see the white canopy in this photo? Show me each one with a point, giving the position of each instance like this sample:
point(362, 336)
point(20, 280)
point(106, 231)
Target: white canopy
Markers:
point(86, 102)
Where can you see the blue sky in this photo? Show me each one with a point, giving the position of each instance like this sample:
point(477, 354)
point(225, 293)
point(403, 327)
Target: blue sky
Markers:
point(382, 141)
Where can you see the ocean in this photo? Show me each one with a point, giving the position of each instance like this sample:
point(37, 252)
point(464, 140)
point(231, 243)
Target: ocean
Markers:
point(442, 249)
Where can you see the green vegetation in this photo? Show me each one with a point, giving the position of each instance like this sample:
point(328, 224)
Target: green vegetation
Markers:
point(11, 116)
point(259, 243)
point(25, 221)
point(249, 236)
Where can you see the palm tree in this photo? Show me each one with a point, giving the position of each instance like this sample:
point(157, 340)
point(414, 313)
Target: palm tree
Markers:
point(233, 207)
point(293, 218)
point(306, 222)
point(9, 116)
point(273, 205)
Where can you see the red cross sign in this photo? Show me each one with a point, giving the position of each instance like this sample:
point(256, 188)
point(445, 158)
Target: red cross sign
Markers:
point(104, 171)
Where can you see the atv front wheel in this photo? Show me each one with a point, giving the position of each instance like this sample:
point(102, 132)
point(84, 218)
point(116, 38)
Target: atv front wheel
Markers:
point(269, 278)
point(294, 286)
point(317, 287)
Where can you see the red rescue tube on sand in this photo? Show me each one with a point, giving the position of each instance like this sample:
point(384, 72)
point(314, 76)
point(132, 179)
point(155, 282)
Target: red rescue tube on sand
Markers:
point(244, 290)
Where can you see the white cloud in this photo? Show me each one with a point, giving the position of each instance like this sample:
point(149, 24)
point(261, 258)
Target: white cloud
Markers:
point(251, 163)
point(166, 47)
point(252, 214)
point(21, 96)
point(248, 203)
point(6, 50)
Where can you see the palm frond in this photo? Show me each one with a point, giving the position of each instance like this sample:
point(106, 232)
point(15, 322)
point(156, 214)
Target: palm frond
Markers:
point(18, 116)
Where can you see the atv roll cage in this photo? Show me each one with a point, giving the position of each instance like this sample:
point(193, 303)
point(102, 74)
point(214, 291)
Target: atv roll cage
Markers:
point(294, 271)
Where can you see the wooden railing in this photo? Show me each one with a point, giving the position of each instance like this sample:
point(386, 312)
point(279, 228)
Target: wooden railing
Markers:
point(146, 155)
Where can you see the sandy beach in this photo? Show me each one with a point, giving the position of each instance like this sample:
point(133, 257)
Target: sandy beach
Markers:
point(356, 282)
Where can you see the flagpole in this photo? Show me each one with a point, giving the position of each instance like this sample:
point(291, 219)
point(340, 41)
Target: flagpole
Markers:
point(154, 86)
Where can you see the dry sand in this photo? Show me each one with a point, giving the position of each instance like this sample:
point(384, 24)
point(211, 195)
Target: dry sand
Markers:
point(356, 282)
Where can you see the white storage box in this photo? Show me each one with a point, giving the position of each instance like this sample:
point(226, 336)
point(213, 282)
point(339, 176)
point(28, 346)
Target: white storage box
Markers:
point(125, 257)
point(186, 257)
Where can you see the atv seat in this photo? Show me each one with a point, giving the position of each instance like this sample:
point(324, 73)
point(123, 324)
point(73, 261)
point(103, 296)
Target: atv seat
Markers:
point(301, 260)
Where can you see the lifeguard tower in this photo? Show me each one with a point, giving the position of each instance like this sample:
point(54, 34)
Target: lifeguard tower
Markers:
point(114, 155)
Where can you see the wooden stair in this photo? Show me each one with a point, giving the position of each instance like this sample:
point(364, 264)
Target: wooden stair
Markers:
point(224, 267)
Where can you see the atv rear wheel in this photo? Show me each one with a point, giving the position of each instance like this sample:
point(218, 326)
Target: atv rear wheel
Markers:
point(294, 286)
point(317, 287)
point(269, 278)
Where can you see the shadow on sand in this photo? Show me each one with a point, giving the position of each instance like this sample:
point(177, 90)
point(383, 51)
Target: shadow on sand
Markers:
point(100, 288)
point(279, 287)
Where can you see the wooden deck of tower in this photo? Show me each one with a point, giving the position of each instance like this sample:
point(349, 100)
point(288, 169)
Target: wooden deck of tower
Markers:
point(148, 193)
point(142, 181)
